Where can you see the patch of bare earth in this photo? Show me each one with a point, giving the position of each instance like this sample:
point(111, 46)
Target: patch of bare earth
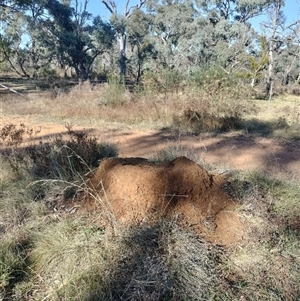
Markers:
point(230, 151)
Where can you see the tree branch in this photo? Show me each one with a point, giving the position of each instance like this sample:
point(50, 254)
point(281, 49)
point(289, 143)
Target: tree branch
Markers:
point(110, 6)
point(126, 8)
point(128, 12)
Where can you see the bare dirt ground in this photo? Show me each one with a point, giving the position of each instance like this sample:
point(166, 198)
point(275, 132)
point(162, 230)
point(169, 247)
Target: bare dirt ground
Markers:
point(229, 151)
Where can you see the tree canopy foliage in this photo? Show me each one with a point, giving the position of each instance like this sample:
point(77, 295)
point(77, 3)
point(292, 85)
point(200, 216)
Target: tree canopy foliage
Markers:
point(45, 37)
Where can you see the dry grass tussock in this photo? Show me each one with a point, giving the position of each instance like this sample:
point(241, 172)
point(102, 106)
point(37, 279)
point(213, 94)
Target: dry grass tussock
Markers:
point(209, 107)
point(49, 253)
point(280, 118)
point(209, 103)
point(269, 259)
point(89, 104)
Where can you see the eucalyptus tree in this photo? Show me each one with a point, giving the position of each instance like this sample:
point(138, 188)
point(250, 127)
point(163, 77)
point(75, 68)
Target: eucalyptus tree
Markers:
point(296, 34)
point(12, 31)
point(141, 50)
point(73, 37)
point(174, 26)
point(232, 29)
point(287, 64)
point(276, 20)
point(43, 32)
point(283, 46)
point(15, 4)
point(120, 23)
point(32, 44)
point(239, 10)
point(198, 33)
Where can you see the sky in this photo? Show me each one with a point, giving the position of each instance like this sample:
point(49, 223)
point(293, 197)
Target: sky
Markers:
point(97, 8)
point(291, 10)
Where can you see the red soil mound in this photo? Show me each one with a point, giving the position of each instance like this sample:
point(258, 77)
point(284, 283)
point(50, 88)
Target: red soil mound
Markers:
point(137, 190)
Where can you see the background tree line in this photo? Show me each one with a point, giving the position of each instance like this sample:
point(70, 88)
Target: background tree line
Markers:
point(180, 38)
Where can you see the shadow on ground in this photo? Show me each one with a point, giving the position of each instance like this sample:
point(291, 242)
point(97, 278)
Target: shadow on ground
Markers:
point(246, 151)
point(160, 262)
point(227, 150)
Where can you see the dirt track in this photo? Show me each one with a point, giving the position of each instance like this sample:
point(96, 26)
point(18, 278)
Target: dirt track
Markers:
point(226, 152)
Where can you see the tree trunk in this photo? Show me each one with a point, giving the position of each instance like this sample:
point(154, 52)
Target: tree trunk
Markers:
point(112, 7)
point(81, 72)
point(270, 79)
point(122, 59)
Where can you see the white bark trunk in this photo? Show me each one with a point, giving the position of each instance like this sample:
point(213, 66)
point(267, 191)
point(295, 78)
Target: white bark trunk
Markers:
point(122, 44)
point(270, 81)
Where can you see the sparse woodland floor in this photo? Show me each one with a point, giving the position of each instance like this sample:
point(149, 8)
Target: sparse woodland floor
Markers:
point(51, 249)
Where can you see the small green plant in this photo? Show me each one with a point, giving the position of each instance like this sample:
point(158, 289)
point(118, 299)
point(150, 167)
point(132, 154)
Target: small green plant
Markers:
point(114, 93)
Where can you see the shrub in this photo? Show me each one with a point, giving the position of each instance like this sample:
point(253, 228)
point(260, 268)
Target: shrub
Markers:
point(13, 135)
point(167, 81)
point(217, 101)
point(114, 92)
point(64, 158)
point(59, 158)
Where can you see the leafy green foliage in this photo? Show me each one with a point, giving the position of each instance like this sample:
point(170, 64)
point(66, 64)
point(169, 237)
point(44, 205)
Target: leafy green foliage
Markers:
point(178, 35)
point(71, 38)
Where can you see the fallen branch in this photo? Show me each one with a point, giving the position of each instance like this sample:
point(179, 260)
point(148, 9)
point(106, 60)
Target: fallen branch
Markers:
point(12, 90)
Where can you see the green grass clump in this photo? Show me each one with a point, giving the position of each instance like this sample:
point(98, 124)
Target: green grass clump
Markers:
point(114, 93)
point(70, 254)
point(13, 252)
point(266, 266)
point(17, 212)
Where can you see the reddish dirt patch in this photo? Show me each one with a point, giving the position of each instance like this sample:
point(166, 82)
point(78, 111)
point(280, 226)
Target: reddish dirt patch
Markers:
point(137, 190)
point(229, 151)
